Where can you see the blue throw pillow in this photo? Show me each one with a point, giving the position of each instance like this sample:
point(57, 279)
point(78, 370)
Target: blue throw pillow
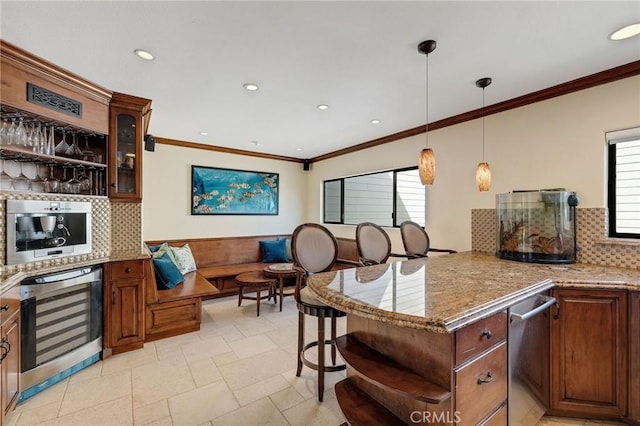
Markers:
point(167, 273)
point(273, 251)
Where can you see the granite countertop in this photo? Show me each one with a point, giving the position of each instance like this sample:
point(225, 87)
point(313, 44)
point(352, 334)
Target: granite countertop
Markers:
point(444, 293)
point(9, 280)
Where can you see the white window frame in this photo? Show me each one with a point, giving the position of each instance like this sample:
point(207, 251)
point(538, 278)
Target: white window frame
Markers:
point(616, 179)
point(395, 220)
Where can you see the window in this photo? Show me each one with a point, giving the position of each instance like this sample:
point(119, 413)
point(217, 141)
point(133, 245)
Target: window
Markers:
point(624, 183)
point(385, 198)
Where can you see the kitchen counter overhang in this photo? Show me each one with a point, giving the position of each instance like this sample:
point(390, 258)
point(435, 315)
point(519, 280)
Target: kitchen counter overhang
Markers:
point(445, 293)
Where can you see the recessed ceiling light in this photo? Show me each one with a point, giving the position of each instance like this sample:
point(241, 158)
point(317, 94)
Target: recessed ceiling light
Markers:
point(322, 107)
point(375, 121)
point(255, 143)
point(626, 32)
point(298, 149)
point(143, 54)
point(250, 86)
point(204, 133)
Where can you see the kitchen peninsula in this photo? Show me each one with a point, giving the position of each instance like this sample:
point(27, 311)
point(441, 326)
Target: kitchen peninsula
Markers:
point(442, 322)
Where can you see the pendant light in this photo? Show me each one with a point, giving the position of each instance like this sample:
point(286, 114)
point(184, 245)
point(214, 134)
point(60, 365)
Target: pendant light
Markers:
point(427, 160)
point(483, 173)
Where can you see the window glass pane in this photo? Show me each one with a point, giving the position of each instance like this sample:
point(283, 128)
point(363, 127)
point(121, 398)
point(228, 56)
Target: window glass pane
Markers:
point(369, 198)
point(627, 187)
point(332, 211)
point(410, 203)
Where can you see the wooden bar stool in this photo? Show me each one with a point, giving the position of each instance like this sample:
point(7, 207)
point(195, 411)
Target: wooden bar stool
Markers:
point(315, 249)
point(255, 281)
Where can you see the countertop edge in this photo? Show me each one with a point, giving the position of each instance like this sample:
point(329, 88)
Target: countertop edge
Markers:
point(15, 279)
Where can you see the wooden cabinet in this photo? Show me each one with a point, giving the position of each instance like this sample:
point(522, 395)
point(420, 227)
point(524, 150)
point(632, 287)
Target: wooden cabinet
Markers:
point(129, 119)
point(425, 377)
point(9, 352)
point(124, 306)
point(634, 356)
point(589, 354)
point(41, 95)
point(480, 375)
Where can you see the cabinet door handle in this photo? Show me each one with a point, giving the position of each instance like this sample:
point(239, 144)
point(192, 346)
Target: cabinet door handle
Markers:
point(113, 297)
point(127, 270)
point(488, 378)
point(5, 351)
point(4, 308)
point(6, 342)
point(487, 334)
point(113, 185)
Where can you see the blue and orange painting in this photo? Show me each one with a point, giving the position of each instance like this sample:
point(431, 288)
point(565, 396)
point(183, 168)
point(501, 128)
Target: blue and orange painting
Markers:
point(227, 191)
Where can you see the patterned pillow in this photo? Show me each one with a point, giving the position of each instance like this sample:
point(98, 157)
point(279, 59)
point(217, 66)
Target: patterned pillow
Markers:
point(184, 258)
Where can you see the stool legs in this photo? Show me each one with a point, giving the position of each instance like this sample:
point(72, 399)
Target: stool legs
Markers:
point(333, 339)
point(240, 291)
point(300, 342)
point(321, 357)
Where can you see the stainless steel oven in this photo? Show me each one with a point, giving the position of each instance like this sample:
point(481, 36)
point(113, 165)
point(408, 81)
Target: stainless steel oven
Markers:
point(61, 326)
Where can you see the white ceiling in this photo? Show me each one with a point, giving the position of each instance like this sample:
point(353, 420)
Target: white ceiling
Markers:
point(359, 57)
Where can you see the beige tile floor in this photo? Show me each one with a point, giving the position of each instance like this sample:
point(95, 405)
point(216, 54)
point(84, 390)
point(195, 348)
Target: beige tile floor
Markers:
point(239, 369)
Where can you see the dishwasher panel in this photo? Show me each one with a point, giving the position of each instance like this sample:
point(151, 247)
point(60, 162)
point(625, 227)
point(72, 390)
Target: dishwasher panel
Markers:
point(528, 342)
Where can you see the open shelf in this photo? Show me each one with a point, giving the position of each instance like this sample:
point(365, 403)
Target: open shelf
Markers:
point(387, 374)
point(10, 152)
point(360, 409)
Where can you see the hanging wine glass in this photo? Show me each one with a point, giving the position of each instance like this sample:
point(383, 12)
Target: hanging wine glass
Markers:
point(51, 183)
point(71, 186)
point(11, 133)
point(21, 134)
point(32, 138)
point(42, 140)
point(6, 180)
point(71, 151)
point(87, 154)
point(77, 152)
point(22, 181)
point(4, 132)
point(62, 146)
point(51, 150)
point(37, 182)
point(85, 180)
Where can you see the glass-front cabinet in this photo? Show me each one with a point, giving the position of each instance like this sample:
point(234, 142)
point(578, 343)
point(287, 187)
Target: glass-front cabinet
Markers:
point(128, 124)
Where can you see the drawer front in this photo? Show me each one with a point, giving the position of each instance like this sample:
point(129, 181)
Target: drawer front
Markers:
point(481, 385)
point(480, 336)
point(126, 269)
point(499, 418)
point(165, 317)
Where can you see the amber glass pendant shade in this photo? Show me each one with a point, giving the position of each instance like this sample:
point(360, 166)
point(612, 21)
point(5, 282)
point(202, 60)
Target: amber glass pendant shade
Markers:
point(483, 177)
point(427, 166)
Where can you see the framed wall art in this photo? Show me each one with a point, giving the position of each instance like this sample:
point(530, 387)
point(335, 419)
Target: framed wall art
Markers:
point(227, 191)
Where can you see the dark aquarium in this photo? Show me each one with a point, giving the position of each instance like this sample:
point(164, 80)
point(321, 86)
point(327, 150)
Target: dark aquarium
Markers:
point(537, 226)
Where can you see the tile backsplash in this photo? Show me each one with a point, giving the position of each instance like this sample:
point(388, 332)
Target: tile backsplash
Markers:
point(116, 229)
point(594, 245)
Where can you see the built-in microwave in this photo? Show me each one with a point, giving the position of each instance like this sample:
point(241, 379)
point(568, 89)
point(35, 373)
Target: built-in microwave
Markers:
point(43, 229)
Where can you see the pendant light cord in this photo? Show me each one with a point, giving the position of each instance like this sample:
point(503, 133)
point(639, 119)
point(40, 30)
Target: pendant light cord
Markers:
point(426, 126)
point(483, 113)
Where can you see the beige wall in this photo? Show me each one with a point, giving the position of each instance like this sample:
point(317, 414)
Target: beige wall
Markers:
point(167, 191)
point(554, 143)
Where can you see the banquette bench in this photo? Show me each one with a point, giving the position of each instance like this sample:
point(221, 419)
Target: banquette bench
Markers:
point(170, 312)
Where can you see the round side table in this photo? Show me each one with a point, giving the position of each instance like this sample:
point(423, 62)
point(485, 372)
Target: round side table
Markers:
point(280, 271)
point(254, 281)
